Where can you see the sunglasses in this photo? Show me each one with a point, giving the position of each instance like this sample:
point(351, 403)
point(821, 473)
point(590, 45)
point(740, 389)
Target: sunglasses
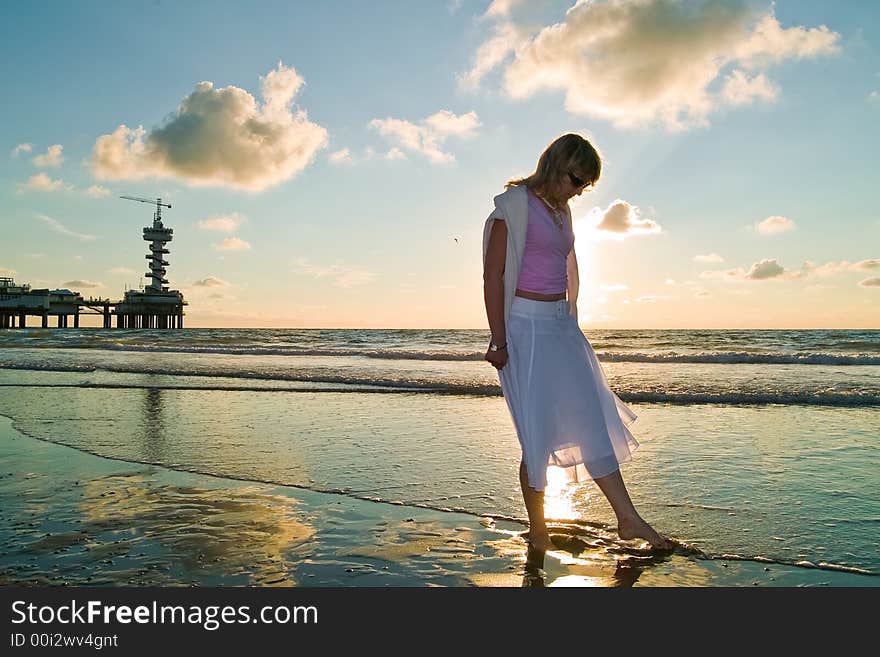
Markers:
point(577, 182)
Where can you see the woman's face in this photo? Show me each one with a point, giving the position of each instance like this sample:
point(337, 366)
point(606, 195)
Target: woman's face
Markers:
point(572, 183)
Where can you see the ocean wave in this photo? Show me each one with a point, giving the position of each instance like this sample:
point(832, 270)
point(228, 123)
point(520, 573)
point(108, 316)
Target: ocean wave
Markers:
point(709, 357)
point(353, 383)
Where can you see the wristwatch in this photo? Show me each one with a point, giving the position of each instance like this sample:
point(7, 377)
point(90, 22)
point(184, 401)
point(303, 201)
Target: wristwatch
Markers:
point(496, 347)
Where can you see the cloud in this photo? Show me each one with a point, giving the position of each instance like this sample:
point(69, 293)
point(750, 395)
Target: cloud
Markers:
point(121, 270)
point(80, 283)
point(711, 257)
point(873, 97)
point(6, 272)
point(345, 277)
point(770, 268)
point(739, 89)
point(22, 148)
point(641, 62)
point(428, 136)
point(870, 282)
point(43, 183)
point(342, 156)
point(219, 137)
point(650, 298)
point(765, 269)
point(491, 53)
point(500, 8)
point(830, 268)
point(226, 223)
point(616, 287)
point(58, 227)
point(774, 225)
point(762, 270)
point(395, 154)
point(621, 219)
point(97, 191)
point(233, 244)
point(53, 157)
point(211, 281)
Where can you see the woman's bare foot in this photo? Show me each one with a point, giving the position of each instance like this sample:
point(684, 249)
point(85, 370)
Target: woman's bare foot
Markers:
point(637, 528)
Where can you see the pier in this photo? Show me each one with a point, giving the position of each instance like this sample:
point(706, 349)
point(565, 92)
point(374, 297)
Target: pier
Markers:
point(153, 307)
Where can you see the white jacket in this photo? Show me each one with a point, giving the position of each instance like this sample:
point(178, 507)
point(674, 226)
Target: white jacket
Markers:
point(512, 206)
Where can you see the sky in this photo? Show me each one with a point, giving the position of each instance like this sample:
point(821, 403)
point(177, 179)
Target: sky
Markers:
point(333, 164)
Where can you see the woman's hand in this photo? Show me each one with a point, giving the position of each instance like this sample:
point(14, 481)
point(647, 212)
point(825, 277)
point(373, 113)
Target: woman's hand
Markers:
point(497, 358)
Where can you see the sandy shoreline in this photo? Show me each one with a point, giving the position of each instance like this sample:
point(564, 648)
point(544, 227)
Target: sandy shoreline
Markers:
point(72, 518)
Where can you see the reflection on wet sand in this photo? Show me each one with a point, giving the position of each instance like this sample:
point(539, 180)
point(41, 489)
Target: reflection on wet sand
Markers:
point(200, 532)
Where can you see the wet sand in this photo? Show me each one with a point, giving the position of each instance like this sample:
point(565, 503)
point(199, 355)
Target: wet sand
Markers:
point(70, 518)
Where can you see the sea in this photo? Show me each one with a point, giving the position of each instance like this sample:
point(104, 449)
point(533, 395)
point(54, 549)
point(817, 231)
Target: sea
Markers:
point(754, 444)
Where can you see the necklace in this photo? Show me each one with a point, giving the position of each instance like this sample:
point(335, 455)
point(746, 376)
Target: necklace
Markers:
point(558, 215)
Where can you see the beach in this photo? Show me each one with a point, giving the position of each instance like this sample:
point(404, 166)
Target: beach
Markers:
point(75, 519)
point(196, 457)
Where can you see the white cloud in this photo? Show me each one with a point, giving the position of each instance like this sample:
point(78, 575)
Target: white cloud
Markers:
point(870, 282)
point(639, 62)
point(7, 272)
point(615, 287)
point(669, 281)
point(211, 281)
point(770, 268)
point(428, 136)
point(53, 157)
point(830, 268)
point(121, 271)
point(739, 89)
point(500, 8)
point(491, 53)
point(76, 284)
point(345, 277)
point(395, 154)
point(219, 137)
point(874, 97)
point(97, 191)
point(43, 183)
point(774, 225)
point(711, 257)
point(58, 227)
point(22, 148)
point(342, 156)
point(765, 269)
point(621, 219)
point(650, 298)
point(226, 223)
point(233, 244)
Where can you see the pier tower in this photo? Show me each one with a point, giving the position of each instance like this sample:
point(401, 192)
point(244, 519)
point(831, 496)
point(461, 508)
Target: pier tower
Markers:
point(156, 306)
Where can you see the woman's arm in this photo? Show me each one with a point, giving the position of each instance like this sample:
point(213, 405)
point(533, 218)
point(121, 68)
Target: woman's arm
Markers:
point(571, 268)
point(493, 290)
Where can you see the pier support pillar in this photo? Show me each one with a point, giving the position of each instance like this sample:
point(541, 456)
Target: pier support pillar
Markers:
point(45, 319)
point(60, 321)
point(76, 320)
point(22, 321)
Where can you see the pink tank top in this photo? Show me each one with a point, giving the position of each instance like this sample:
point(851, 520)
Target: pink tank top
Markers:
point(547, 246)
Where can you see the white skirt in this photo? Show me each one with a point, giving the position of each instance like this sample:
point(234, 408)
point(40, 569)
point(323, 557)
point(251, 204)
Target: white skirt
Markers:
point(563, 410)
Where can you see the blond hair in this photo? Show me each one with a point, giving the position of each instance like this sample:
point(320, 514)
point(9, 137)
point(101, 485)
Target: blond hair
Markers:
point(569, 153)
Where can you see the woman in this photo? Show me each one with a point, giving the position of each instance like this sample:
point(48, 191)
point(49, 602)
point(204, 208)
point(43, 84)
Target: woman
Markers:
point(563, 410)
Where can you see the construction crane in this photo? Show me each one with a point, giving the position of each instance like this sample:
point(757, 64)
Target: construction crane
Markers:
point(157, 202)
